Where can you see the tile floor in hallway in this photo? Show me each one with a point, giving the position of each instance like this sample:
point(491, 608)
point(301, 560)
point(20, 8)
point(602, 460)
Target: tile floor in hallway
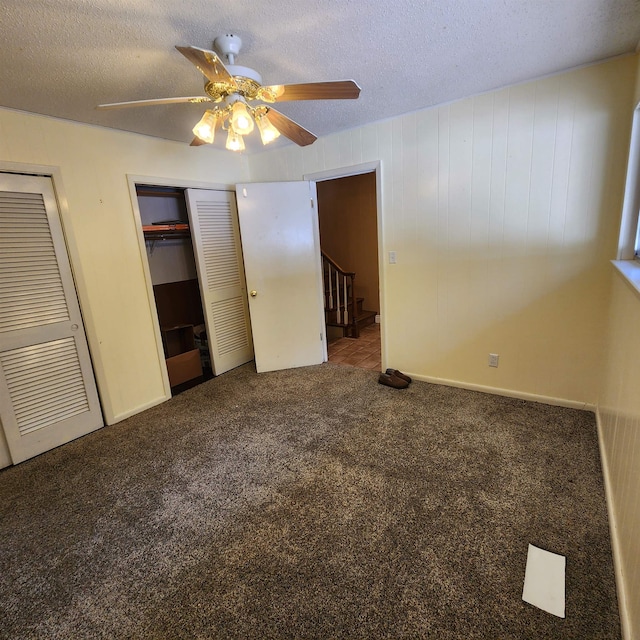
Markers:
point(363, 352)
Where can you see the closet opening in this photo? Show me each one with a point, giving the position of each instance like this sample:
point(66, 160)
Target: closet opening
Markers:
point(174, 277)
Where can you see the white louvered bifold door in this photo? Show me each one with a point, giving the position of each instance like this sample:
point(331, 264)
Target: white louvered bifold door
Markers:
point(218, 253)
point(47, 389)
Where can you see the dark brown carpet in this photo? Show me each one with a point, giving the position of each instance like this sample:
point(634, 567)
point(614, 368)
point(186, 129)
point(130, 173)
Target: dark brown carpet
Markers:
point(311, 503)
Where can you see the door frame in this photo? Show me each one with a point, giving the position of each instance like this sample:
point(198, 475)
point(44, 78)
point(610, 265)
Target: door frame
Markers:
point(355, 170)
point(151, 181)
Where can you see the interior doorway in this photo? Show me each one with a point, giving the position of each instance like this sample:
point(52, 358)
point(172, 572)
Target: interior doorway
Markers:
point(348, 221)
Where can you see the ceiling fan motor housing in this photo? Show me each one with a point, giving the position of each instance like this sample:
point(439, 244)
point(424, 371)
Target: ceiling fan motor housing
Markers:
point(248, 80)
point(229, 46)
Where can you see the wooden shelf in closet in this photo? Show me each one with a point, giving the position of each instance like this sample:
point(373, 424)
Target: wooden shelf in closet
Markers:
point(160, 231)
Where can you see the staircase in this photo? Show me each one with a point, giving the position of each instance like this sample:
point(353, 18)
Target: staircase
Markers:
point(341, 306)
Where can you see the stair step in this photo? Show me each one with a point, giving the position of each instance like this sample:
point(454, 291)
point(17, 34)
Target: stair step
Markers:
point(365, 318)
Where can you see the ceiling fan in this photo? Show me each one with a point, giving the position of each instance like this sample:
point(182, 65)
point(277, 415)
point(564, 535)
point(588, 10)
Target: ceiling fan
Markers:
point(232, 87)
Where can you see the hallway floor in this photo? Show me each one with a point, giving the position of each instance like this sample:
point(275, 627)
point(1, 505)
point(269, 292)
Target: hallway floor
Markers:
point(363, 352)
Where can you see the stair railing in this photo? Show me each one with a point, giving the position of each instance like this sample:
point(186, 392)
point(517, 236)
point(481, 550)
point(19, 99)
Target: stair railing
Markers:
point(339, 296)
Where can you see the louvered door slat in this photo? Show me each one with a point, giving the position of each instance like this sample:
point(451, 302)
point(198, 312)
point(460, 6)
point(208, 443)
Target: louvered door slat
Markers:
point(15, 306)
point(40, 410)
point(13, 298)
point(33, 244)
point(29, 277)
point(26, 320)
point(42, 413)
point(30, 281)
point(30, 260)
point(55, 366)
point(53, 419)
point(58, 385)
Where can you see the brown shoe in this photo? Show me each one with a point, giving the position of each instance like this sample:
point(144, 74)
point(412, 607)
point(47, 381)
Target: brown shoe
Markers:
point(392, 381)
point(399, 374)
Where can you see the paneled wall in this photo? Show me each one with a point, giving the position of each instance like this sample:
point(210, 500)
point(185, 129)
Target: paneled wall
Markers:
point(619, 413)
point(619, 421)
point(503, 210)
point(102, 237)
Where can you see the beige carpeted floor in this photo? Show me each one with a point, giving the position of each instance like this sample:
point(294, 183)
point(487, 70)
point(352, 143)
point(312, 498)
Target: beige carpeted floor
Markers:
point(311, 503)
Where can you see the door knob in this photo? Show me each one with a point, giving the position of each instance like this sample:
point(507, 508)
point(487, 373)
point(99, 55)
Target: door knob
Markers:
point(253, 293)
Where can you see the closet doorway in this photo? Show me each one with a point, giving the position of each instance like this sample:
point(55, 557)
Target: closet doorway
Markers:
point(174, 277)
point(196, 270)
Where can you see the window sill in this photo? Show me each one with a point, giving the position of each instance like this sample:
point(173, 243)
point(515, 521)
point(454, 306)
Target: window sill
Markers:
point(630, 271)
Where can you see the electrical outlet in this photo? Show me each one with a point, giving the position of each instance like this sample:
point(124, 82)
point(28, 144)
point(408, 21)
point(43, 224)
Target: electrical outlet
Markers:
point(493, 359)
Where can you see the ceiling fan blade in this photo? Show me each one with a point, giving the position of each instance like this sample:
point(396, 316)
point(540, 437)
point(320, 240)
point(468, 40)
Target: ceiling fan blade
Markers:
point(207, 63)
point(154, 101)
point(338, 90)
point(196, 142)
point(290, 129)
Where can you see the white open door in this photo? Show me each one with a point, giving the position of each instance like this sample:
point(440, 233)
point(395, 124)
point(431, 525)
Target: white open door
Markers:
point(216, 244)
point(47, 389)
point(281, 247)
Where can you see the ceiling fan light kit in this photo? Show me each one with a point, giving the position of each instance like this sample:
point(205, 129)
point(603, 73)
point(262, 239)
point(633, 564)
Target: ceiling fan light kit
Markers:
point(232, 87)
point(235, 142)
point(206, 128)
point(268, 133)
point(241, 120)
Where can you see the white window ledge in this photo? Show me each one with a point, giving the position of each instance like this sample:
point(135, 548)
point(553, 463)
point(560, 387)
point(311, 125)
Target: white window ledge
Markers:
point(630, 270)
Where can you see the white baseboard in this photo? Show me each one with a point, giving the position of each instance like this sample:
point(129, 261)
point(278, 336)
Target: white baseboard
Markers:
point(625, 619)
point(533, 397)
point(143, 407)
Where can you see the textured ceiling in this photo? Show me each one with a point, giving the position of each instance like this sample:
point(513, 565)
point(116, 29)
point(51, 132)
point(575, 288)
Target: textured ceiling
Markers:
point(63, 57)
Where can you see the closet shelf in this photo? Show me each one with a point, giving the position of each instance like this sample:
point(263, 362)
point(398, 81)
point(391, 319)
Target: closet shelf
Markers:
point(160, 231)
point(170, 231)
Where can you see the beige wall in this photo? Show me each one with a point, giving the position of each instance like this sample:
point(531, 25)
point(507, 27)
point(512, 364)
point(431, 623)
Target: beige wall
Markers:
point(349, 230)
point(103, 241)
point(503, 210)
point(619, 422)
point(619, 417)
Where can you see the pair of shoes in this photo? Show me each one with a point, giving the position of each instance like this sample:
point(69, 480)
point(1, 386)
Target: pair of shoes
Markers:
point(391, 380)
point(398, 374)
